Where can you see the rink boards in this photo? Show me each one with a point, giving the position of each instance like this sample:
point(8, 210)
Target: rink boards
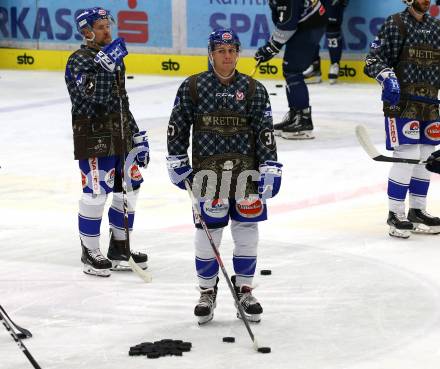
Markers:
point(169, 65)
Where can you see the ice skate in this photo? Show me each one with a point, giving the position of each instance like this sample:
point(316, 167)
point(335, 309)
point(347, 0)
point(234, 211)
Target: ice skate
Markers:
point(94, 262)
point(312, 74)
point(301, 127)
point(119, 259)
point(423, 222)
point(249, 303)
point(287, 120)
point(204, 310)
point(400, 226)
point(333, 73)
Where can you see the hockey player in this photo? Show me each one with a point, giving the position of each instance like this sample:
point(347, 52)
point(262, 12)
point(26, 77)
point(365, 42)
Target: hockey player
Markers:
point(232, 133)
point(299, 25)
point(404, 58)
point(97, 92)
point(335, 13)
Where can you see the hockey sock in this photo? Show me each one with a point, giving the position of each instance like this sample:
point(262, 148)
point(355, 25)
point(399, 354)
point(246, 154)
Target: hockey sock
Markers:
point(116, 213)
point(296, 91)
point(91, 208)
point(334, 40)
point(419, 185)
point(206, 263)
point(245, 236)
point(399, 177)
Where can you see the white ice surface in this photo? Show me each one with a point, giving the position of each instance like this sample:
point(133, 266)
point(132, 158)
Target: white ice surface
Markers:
point(343, 294)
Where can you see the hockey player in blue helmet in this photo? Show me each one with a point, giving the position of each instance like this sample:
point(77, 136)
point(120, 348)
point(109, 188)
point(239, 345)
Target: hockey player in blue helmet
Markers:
point(93, 74)
point(227, 116)
point(219, 37)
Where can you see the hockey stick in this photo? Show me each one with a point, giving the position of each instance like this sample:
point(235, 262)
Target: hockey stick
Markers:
point(24, 333)
point(146, 276)
point(200, 220)
point(424, 99)
point(364, 139)
point(7, 322)
point(255, 68)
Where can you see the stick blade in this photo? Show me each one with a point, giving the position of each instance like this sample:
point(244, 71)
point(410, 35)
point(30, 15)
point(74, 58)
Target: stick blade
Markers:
point(364, 140)
point(146, 276)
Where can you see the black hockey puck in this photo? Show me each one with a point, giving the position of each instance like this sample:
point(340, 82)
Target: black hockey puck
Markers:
point(153, 355)
point(264, 350)
point(279, 86)
point(273, 94)
point(229, 339)
point(265, 272)
point(130, 77)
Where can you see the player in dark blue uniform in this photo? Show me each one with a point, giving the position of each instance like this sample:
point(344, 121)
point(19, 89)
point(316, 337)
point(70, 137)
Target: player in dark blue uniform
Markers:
point(228, 118)
point(299, 25)
point(335, 13)
point(97, 90)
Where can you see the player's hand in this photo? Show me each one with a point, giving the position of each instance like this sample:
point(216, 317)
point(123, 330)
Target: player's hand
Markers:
point(433, 162)
point(270, 179)
point(111, 55)
point(268, 51)
point(179, 170)
point(140, 140)
point(390, 86)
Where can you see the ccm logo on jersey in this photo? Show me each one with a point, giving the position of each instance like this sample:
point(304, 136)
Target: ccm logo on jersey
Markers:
point(411, 129)
point(432, 131)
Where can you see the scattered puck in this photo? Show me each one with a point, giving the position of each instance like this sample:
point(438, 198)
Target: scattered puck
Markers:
point(279, 86)
point(265, 272)
point(273, 93)
point(130, 77)
point(229, 339)
point(264, 350)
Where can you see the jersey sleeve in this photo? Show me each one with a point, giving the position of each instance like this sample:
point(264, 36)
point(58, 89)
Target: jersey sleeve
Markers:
point(181, 120)
point(262, 124)
point(89, 80)
point(384, 50)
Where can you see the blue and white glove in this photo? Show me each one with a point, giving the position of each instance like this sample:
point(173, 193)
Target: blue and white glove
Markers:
point(111, 55)
point(390, 86)
point(179, 169)
point(140, 140)
point(270, 179)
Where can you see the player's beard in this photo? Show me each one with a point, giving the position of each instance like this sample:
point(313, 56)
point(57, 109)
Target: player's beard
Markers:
point(421, 8)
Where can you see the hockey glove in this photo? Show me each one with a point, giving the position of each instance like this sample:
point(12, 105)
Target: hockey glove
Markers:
point(140, 140)
point(179, 169)
point(433, 162)
point(270, 179)
point(111, 55)
point(268, 51)
point(390, 86)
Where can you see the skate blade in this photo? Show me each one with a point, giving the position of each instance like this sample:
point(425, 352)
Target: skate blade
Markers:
point(254, 318)
point(313, 80)
point(420, 228)
point(96, 272)
point(123, 266)
point(399, 233)
point(205, 319)
point(303, 135)
point(332, 81)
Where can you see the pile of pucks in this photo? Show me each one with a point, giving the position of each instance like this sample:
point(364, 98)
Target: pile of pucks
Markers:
point(165, 347)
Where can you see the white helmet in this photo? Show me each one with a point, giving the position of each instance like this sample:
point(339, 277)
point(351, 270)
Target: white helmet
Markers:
point(408, 2)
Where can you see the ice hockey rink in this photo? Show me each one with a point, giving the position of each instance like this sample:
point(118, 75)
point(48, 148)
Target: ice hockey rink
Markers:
point(342, 294)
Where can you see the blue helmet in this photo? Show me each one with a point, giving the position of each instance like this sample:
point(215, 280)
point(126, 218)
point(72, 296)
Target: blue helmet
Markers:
point(88, 17)
point(223, 36)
